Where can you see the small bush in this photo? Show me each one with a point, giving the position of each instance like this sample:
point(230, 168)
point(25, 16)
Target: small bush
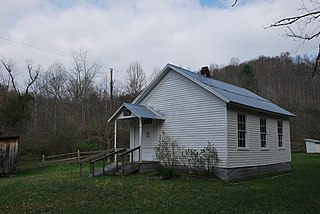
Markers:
point(173, 156)
point(210, 156)
point(167, 151)
point(166, 172)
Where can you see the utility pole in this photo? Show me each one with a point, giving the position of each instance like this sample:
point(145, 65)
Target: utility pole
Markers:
point(111, 91)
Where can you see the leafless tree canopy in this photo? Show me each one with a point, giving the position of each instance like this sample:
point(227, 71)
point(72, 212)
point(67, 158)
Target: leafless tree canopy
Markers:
point(33, 74)
point(136, 79)
point(305, 26)
point(9, 66)
point(82, 74)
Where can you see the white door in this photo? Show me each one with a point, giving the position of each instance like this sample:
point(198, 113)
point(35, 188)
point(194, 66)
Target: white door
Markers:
point(147, 140)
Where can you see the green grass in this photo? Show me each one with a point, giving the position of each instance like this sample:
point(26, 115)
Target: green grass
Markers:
point(60, 189)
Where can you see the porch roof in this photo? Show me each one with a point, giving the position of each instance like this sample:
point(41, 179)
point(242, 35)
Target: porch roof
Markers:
point(139, 111)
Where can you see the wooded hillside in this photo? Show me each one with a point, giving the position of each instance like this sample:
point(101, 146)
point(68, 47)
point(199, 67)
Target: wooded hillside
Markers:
point(64, 109)
point(286, 81)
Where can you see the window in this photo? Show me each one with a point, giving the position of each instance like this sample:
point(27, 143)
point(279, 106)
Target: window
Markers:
point(241, 130)
point(263, 133)
point(280, 134)
point(147, 121)
point(147, 134)
point(126, 112)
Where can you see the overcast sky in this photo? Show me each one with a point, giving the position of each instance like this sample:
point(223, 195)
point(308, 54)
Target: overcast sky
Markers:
point(190, 33)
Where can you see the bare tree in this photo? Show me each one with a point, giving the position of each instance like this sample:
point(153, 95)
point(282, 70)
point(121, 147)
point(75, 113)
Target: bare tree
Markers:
point(234, 61)
point(33, 74)
point(154, 74)
point(136, 80)
point(305, 26)
point(81, 79)
point(9, 66)
point(54, 86)
point(55, 81)
point(15, 110)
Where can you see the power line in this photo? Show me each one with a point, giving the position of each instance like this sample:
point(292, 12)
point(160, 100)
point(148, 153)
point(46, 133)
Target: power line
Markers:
point(32, 46)
point(48, 51)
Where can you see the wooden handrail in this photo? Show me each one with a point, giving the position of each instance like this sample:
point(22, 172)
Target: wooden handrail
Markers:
point(92, 162)
point(95, 156)
point(104, 155)
point(92, 158)
point(129, 151)
point(125, 153)
point(107, 155)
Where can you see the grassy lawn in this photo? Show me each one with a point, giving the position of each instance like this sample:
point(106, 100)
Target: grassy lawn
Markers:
point(60, 189)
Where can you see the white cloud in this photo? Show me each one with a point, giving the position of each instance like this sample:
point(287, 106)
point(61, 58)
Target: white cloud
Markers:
point(151, 32)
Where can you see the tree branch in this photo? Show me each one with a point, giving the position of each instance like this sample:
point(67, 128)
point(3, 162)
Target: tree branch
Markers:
point(32, 78)
point(291, 20)
point(304, 27)
point(9, 68)
point(234, 3)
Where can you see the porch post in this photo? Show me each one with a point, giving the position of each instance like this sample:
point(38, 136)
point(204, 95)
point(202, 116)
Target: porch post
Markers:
point(140, 138)
point(115, 139)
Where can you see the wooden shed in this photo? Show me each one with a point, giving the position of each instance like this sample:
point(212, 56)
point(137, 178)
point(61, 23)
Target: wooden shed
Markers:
point(312, 146)
point(8, 155)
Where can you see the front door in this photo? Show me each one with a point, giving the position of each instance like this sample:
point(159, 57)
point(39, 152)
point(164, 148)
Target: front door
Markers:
point(147, 139)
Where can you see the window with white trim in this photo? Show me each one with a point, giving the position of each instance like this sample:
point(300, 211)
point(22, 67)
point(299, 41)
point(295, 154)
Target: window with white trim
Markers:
point(263, 133)
point(241, 130)
point(280, 134)
point(147, 134)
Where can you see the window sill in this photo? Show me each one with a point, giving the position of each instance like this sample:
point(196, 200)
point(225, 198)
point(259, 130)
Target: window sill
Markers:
point(281, 148)
point(264, 149)
point(242, 149)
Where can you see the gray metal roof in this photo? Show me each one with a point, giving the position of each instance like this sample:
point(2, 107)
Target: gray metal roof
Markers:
point(142, 111)
point(233, 94)
point(312, 140)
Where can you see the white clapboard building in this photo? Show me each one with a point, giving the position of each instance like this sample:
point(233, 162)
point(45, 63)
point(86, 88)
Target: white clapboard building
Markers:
point(250, 133)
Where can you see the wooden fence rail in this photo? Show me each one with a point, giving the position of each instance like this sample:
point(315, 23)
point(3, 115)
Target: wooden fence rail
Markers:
point(72, 156)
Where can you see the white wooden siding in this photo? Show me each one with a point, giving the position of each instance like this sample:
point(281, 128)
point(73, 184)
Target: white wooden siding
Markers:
point(193, 116)
point(255, 155)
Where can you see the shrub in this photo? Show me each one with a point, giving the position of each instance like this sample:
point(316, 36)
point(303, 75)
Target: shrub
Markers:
point(195, 160)
point(166, 172)
point(202, 160)
point(171, 155)
point(210, 156)
point(167, 151)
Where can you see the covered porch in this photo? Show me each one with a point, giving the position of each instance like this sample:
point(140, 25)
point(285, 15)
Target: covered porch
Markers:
point(144, 128)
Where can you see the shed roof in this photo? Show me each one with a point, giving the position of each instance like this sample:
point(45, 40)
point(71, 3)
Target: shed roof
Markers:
point(312, 140)
point(9, 137)
point(143, 111)
point(139, 111)
point(231, 93)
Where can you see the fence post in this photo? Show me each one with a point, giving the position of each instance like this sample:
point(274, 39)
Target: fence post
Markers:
point(78, 155)
point(42, 158)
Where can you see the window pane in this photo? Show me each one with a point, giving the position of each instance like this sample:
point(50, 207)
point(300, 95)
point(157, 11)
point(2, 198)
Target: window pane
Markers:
point(263, 132)
point(280, 132)
point(241, 130)
point(263, 140)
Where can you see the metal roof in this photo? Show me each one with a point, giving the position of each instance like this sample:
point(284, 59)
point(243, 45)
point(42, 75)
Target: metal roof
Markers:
point(142, 111)
point(231, 93)
point(138, 110)
point(312, 140)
